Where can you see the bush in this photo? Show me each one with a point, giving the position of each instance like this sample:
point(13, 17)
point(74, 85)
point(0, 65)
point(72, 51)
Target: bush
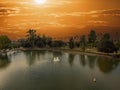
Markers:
point(4, 42)
point(58, 43)
point(107, 46)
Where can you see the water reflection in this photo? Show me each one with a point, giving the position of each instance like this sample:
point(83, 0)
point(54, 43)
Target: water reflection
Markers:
point(82, 60)
point(71, 59)
point(107, 65)
point(44, 75)
point(4, 62)
point(32, 56)
point(104, 64)
point(86, 60)
point(57, 54)
point(91, 61)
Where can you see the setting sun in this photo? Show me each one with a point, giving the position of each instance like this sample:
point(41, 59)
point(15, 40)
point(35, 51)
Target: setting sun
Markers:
point(40, 1)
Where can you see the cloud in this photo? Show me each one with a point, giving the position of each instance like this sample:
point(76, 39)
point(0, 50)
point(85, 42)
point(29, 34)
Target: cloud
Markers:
point(102, 23)
point(91, 13)
point(8, 11)
point(111, 12)
point(96, 17)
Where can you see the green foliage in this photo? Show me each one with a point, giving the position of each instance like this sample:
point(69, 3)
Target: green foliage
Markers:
point(34, 40)
point(39, 42)
point(44, 39)
point(117, 44)
point(24, 43)
point(83, 42)
point(57, 43)
point(106, 36)
point(106, 45)
point(49, 41)
point(4, 42)
point(71, 43)
point(103, 45)
point(31, 36)
point(83, 39)
point(77, 44)
point(92, 36)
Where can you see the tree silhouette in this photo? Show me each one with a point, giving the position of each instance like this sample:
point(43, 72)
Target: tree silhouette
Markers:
point(92, 36)
point(71, 43)
point(106, 45)
point(31, 36)
point(83, 42)
point(39, 42)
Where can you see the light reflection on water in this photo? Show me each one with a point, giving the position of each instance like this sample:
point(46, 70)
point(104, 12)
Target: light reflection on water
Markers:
point(36, 70)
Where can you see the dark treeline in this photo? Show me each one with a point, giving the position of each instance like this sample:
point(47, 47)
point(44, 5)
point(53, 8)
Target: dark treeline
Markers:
point(101, 42)
point(40, 41)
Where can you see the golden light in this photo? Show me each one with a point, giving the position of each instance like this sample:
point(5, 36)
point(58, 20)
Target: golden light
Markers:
point(40, 1)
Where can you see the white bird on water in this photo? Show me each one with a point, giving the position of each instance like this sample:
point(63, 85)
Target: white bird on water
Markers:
point(56, 59)
point(94, 79)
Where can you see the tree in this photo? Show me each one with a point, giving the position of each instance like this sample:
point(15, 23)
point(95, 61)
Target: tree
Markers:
point(4, 42)
point(77, 44)
point(71, 43)
point(49, 41)
point(92, 38)
point(24, 43)
point(117, 44)
point(83, 42)
point(57, 43)
point(15, 44)
point(117, 40)
point(106, 45)
point(39, 42)
point(106, 36)
point(44, 38)
point(31, 36)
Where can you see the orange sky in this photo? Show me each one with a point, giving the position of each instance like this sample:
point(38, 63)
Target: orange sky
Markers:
point(58, 18)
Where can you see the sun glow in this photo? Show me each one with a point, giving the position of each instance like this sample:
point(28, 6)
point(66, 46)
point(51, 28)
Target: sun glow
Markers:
point(40, 1)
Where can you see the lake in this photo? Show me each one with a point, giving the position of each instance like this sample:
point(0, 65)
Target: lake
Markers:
point(37, 70)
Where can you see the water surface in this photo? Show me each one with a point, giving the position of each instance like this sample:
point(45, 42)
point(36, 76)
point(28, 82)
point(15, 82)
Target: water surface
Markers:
point(36, 70)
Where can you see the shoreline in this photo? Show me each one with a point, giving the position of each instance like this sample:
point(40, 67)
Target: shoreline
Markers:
point(72, 51)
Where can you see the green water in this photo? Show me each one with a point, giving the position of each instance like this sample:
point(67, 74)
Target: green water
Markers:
point(36, 70)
